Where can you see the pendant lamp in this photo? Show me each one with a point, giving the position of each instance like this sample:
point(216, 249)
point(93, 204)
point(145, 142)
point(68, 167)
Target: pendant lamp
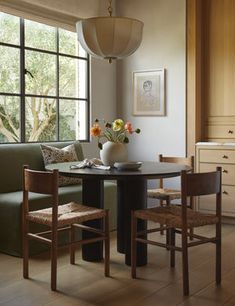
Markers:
point(110, 37)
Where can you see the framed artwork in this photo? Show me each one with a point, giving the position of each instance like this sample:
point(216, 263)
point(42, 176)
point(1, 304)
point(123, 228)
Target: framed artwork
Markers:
point(149, 93)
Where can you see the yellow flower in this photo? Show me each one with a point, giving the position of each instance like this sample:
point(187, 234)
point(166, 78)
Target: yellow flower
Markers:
point(118, 124)
point(96, 130)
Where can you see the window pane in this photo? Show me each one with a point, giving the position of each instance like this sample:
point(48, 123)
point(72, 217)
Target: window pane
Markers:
point(9, 119)
point(40, 119)
point(42, 66)
point(72, 120)
point(10, 29)
point(82, 80)
point(40, 36)
point(9, 69)
point(69, 44)
point(83, 120)
point(72, 77)
point(68, 76)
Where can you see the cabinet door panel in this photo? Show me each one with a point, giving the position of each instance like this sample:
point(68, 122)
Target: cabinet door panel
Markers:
point(207, 203)
point(228, 171)
point(217, 156)
point(221, 131)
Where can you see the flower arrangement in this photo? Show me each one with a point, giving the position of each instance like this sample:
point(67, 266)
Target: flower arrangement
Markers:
point(115, 131)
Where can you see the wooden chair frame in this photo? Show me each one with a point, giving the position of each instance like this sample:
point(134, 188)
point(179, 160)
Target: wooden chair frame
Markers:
point(192, 184)
point(188, 161)
point(47, 183)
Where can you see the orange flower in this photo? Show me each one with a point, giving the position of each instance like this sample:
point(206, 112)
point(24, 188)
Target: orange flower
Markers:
point(128, 127)
point(96, 130)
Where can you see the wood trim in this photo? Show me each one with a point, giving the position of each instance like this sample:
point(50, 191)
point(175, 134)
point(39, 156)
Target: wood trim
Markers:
point(194, 42)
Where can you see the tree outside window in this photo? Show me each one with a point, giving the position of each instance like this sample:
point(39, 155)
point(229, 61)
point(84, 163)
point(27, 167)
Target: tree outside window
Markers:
point(43, 83)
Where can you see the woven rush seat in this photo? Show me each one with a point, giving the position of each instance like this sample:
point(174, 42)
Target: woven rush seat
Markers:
point(164, 193)
point(172, 216)
point(67, 214)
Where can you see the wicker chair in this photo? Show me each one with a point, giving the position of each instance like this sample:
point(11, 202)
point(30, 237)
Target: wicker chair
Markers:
point(58, 218)
point(178, 219)
point(166, 194)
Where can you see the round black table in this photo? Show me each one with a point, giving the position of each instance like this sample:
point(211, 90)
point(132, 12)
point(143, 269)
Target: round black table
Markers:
point(132, 195)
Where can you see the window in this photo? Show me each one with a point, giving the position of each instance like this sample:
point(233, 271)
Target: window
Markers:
point(44, 87)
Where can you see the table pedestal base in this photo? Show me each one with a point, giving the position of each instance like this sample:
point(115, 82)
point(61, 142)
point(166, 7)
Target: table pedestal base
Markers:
point(92, 195)
point(131, 196)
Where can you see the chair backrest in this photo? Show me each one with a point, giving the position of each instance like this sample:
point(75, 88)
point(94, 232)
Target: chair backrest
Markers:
point(188, 161)
point(199, 184)
point(40, 182)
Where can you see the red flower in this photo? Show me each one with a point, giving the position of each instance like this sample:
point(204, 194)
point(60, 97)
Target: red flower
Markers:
point(128, 127)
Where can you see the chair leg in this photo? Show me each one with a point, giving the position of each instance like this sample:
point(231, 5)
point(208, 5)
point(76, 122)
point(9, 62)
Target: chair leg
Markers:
point(106, 245)
point(172, 243)
point(25, 250)
point(218, 253)
point(162, 231)
point(133, 244)
point(72, 248)
point(191, 231)
point(168, 232)
point(185, 262)
point(54, 260)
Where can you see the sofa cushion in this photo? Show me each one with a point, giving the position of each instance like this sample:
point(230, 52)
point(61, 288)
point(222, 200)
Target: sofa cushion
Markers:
point(14, 156)
point(52, 155)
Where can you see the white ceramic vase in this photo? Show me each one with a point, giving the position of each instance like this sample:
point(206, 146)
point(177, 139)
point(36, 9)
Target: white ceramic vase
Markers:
point(113, 152)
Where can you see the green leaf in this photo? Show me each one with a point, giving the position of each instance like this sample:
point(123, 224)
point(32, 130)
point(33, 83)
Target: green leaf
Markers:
point(126, 140)
point(137, 131)
point(108, 135)
point(108, 125)
point(100, 146)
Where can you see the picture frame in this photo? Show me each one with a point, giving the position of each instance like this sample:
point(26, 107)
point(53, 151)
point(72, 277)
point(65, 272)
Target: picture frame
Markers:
point(149, 93)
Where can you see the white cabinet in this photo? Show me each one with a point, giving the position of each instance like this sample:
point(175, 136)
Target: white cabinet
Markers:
point(208, 157)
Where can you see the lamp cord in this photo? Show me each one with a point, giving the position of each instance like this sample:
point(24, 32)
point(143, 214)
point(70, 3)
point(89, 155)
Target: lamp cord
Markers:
point(110, 10)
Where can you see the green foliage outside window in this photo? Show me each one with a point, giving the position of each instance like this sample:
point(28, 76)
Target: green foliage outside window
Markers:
point(45, 104)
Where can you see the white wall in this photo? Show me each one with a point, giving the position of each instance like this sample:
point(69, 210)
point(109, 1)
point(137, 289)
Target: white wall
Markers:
point(103, 98)
point(163, 46)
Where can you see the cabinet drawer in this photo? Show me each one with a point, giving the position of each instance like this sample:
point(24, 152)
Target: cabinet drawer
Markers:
point(217, 156)
point(228, 171)
point(221, 131)
point(207, 203)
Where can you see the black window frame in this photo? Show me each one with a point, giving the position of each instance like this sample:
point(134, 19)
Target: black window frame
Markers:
point(22, 95)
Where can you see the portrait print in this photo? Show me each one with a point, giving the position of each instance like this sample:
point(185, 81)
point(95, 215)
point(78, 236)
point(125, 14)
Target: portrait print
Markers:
point(148, 87)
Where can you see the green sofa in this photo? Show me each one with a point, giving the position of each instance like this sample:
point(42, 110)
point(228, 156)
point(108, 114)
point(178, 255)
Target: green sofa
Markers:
point(12, 158)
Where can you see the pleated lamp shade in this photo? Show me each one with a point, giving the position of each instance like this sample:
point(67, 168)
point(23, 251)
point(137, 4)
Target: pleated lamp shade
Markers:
point(110, 37)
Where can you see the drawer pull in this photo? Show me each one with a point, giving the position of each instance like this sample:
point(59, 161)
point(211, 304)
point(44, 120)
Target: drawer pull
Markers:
point(225, 192)
point(225, 171)
point(230, 132)
point(225, 156)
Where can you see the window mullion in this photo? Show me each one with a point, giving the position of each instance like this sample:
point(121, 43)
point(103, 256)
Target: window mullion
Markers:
point(22, 80)
point(88, 100)
point(57, 85)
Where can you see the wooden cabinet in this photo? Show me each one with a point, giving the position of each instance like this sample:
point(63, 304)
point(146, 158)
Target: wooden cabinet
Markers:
point(210, 71)
point(208, 157)
point(219, 54)
point(220, 128)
